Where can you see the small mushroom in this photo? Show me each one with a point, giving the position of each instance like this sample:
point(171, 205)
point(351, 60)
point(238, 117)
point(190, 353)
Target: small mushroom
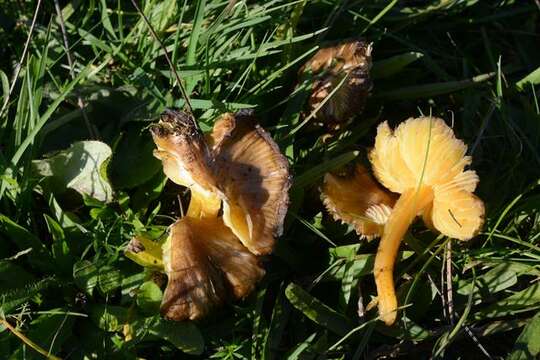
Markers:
point(355, 198)
point(206, 265)
point(329, 65)
point(424, 162)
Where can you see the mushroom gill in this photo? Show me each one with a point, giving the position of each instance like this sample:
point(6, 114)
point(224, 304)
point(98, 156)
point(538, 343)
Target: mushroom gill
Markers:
point(329, 66)
point(355, 198)
point(423, 162)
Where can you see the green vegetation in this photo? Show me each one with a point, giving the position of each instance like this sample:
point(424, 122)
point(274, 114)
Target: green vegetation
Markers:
point(78, 179)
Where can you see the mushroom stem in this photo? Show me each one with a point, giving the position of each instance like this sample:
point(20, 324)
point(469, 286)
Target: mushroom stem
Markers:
point(407, 207)
point(203, 205)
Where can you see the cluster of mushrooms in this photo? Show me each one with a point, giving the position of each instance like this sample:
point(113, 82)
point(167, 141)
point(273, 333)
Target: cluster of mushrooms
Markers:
point(239, 183)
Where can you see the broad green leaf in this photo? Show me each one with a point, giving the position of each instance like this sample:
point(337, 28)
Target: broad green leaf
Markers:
point(108, 317)
point(82, 168)
point(49, 331)
point(145, 252)
point(521, 301)
point(23, 239)
point(149, 297)
point(410, 331)
point(133, 162)
point(109, 279)
point(359, 265)
point(184, 335)
point(9, 300)
point(12, 276)
point(527, 345)
point(60, 248)
point(317, 311)
point(85, 275)
point(497, 279)
point(130, 284)
point(391, 66)
point(532, 79)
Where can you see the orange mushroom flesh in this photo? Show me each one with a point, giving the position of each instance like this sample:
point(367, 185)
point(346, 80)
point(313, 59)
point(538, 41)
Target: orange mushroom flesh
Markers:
point(355, 198)
point(210, 255)
point(351, 59)
point(424, 162)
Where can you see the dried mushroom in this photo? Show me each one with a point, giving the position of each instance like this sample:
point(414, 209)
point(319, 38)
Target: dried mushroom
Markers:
point(347, 66)
point(205, 264)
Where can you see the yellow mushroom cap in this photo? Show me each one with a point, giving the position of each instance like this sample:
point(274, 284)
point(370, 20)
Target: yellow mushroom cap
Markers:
point(205, 263)
point(355, 198)
point(424, 152)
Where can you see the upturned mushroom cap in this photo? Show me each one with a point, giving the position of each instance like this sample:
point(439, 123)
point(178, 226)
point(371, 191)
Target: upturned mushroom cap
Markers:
point(206, 265)
point(355, 198)
point(329, 65)
point(425, 152)
point(254, 176)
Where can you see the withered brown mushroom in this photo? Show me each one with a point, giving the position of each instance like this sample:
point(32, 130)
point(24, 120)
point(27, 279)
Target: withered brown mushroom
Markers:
point(346, 65)
point(206, 264)
point(238, 169)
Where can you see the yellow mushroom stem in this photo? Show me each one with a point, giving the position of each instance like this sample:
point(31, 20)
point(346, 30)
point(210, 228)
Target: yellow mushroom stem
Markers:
point(410, 203)
point(203, 205)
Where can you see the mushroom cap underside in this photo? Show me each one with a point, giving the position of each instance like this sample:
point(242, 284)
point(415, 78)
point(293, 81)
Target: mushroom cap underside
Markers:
point(354, 197)
point(206, 265)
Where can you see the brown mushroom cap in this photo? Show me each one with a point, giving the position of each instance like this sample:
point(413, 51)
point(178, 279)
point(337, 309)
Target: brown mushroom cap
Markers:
point(355, 198)
point(329, 65)
point(254, 176)
point(205, 264)
point(183, 151)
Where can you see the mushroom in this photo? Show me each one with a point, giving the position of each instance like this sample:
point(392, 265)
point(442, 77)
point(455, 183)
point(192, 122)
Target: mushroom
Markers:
point(205, 264)
point(424, 162)
point(351, 59)
point(239, 185)
point(355, 198)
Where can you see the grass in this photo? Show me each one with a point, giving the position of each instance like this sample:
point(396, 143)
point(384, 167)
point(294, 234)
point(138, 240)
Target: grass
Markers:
point(67, 290)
